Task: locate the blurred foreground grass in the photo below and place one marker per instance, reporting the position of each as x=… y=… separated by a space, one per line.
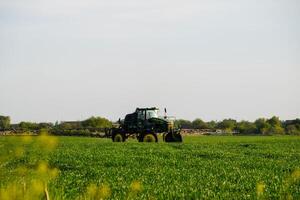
x=207 y=167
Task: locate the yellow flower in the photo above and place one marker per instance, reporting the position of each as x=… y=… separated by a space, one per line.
x=136 y=186
x=47 y=142
x=260 y=188
x=91 y=191
x=37 y=187
x=54 y=173
x=104 y=192
x=94 y=192
x=296 y=174
x=4 y=194
x=42 y=168
x=11 y=192
x=27 y=139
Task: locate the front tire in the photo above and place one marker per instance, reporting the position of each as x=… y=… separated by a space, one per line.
x=118 y=137
x=173 y=137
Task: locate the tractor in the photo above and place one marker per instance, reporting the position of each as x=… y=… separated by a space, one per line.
x=145 y=125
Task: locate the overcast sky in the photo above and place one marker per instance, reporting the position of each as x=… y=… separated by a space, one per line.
x=213 y=59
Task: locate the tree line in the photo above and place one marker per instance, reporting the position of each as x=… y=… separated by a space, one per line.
x=260 y=126
x=89 y=127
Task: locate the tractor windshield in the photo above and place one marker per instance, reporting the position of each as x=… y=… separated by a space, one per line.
x=152 y=114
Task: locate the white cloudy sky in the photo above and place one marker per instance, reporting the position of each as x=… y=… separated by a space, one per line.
x=213 y=59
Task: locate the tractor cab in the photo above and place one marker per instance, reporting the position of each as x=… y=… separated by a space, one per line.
x=144 y=114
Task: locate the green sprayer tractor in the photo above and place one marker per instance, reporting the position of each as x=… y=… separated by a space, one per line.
x=145 y=125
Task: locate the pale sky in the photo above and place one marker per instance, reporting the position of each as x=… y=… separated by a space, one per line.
x=212 y=59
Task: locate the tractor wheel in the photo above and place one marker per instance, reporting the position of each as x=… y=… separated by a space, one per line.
x=118 y=137
x=149 y=137
x=173 y=137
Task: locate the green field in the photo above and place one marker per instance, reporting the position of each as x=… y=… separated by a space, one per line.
x=207 y=167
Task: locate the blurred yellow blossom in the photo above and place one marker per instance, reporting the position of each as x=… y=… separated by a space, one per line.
x=136 y=186
x=104 y=192
x=92 y=191
x=42 y=168
x=260 y=188
x=296 y=174
x=47 y=142
x=95 y=192
x=27 y=139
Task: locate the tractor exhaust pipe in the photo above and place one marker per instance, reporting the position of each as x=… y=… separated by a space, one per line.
x=165 y=113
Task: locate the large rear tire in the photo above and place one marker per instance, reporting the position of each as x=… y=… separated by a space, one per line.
x=149 y=137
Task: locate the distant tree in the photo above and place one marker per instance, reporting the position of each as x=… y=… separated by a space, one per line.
x=212 y=124
x=96 y=122
x=274 y=121
x=277 y=130
x=185 y=124
x=245 y=127
x=276 y=126
x=293 y=129
x=45 y=125
x=269 y=126
x=69 y=125
x=199 y=124
x=262 y=125
x=4 y=122
x=28 y=126
x=227 y=124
